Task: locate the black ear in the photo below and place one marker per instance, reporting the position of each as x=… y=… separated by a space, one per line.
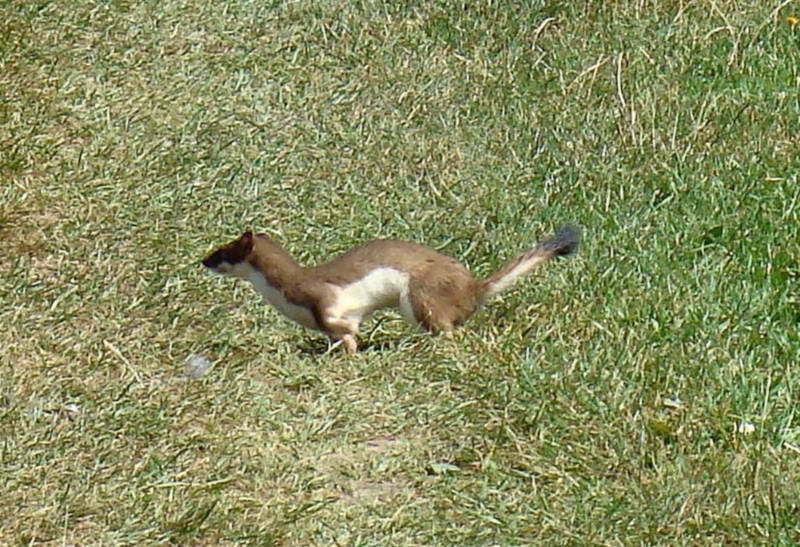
x=246 y=242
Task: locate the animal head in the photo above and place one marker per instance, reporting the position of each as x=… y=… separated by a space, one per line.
x=231 y=258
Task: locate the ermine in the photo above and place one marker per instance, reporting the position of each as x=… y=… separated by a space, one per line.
x=429 y=288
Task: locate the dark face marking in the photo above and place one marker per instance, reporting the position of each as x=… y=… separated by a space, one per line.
x=214 y=259
x=231 y=253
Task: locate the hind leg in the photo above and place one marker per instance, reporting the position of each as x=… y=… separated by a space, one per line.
x=440 y=304
x=420 y=308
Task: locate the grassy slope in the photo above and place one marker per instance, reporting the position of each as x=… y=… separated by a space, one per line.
x=607 y=402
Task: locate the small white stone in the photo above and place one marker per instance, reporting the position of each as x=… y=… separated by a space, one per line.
x=197 y=365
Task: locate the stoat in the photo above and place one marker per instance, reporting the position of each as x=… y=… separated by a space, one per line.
x=430 y=289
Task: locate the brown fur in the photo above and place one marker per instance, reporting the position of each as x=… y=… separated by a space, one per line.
x=442 y=293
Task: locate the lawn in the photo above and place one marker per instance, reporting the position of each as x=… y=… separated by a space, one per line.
x=642 y=392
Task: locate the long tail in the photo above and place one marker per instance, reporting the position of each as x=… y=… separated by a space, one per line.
x=564 y=242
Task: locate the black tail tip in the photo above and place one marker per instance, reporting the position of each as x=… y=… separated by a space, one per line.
x=564 y=242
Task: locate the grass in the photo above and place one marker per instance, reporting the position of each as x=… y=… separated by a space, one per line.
x=641 y=393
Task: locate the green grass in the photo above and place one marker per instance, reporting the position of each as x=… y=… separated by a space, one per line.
x=642 y=393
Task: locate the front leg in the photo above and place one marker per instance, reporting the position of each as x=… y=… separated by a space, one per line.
x=350 y=344
x=342 y=329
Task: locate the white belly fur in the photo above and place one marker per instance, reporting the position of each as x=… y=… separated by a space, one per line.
x=381 y=288
x=299 y=314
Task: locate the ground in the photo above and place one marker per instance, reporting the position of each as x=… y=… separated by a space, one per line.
x=642 y=392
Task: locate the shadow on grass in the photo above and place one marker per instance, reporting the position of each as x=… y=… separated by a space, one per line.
x=320 y=346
